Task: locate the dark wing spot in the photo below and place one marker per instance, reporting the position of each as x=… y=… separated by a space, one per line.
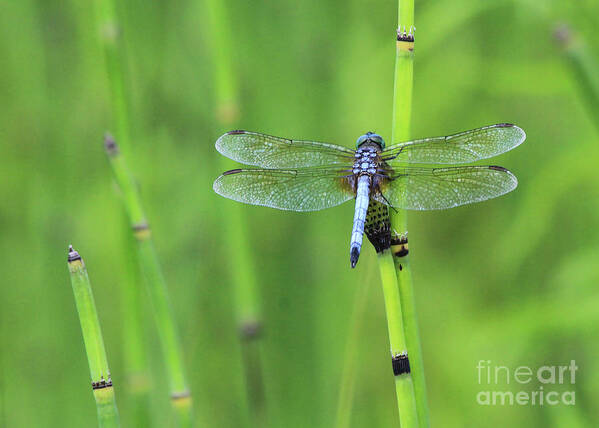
x=497 y=168
x=233 y=171
x=505 y=125
x=235 y=132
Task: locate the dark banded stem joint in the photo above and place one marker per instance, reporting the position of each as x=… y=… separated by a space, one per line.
x=141 y=230
x=110 y=145
x=250 y=330
x=405 y=39
x=180 y=395
x=399 y=245
x=102 y=383
x=400 y=363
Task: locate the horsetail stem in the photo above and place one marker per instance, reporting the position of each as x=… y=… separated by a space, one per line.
x=107 y=24
x=350 y=357
x=401 y=130
x=583 y=66
x=137 y=381
x=169 y=339
x=244 y=280
x=404 y=387
x=378 y=231
x=94 y=344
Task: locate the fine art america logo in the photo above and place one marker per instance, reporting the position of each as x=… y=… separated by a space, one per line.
x=526 y=386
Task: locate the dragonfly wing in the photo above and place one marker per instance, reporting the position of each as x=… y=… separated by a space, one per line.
x=415 y=188
x=465 y=147
x=266 y=151
x=310 y=189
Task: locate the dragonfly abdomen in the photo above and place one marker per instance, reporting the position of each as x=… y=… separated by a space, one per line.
x=378 y=226
x=362 y=200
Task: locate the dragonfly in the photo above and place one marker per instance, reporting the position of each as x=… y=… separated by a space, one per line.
x=299 y=175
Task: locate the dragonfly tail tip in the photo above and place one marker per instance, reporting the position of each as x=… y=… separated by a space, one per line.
x=354 y=255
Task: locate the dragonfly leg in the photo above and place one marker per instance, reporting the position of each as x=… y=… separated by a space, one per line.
x=388 y=203
x=388 y=158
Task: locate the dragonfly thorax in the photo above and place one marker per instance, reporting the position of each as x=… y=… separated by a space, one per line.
x=366 y=159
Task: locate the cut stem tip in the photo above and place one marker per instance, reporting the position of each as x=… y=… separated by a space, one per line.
x=73 y=255
x=110 y=144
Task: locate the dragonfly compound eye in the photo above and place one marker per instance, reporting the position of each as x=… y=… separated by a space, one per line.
x=362 y=139
x=370 y=136
x=377 y=139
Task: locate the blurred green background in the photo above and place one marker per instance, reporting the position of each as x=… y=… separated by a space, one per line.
x=512 y=280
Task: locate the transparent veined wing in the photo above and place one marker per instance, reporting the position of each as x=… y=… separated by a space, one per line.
x=415 y=188
x=266 y=151
x=465 y=147
x=308 y=189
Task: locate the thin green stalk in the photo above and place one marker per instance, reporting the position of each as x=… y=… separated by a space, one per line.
x=108 y=415
x=401 y=130
x=150 y=267
x=404 y=388
x=584 y=67
x=348 y=374
x=247 y=313
x=245 y=283
x=107 y=24
x=225 y=84
x=137 y=381
x=408 y=306
x=3 y=373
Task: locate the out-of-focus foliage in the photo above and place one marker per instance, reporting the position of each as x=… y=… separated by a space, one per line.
x=512 y=280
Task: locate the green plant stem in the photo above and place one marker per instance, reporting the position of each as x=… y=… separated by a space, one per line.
x=157 y=291
x=247 y=313
x=584 y=67
x=401 y=131
x=406 y=292
x=225 y=85
x=94 y=343
x=107 y=24
x=350 y=356
x=404 y=387
x=245 y=285
x=137 y=382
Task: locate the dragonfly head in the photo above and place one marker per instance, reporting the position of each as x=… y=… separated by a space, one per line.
x=372 y=137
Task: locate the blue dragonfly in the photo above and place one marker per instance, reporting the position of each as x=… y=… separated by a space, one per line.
x=298 y=175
